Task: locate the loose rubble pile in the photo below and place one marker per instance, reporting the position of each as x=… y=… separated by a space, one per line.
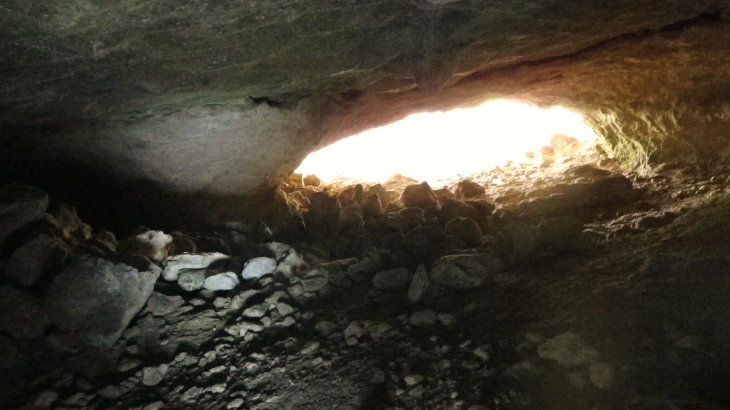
x=473 y=296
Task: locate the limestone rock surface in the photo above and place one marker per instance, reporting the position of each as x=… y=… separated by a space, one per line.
x=93 y=300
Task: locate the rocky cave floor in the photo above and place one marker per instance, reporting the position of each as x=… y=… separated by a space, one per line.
x=586 y=288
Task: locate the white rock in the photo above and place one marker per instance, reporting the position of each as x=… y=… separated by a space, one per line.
x=174 y=264
x=221 y=281
x=419 y=285
x=157 y=242
x=258 y=267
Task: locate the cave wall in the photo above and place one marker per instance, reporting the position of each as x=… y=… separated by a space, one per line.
x=204 y=97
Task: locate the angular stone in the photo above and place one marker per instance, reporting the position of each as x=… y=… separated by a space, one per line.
x=311 y=180
x=353 y=330
x=93 y=300
x=464 y=271
x=20 y=205
x=22 y=315
x=325 y=328
x=256 y=311
x=372 y=207
x=425 y=243
x=314 y=284
x=222 y=281
x=161 y=305
x=411 y=218
x=465 y=229
x=468 y=189
x=323 y=219
x=452 y=208
x=291 y=264
x=174 y=264
x=423 y=318
x=258 y=267
x=284 y=309
x=32 y=261
x=420 y=196
x=393 y=279
x=567 y=199
x=45 y=399
x=568 y=350
x=152 y=376
x=191 y=280
x=419 y=285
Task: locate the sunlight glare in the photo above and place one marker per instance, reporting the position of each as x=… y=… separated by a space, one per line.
x=439 y=145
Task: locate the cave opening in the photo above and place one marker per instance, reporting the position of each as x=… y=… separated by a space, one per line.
x=438 y=147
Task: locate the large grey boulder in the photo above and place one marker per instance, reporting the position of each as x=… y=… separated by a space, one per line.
x=29 y=263
x=22 y=315
x=93 y=300
x=464 y=271
x=20 y=205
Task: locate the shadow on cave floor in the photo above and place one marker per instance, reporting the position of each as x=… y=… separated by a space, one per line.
x=637 y=319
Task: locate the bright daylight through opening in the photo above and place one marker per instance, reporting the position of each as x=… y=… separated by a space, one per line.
x=436 y=146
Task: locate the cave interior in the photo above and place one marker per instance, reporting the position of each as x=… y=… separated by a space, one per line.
x=158 y=249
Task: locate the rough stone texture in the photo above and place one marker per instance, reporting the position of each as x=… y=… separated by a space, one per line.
x=393 y=279
x=93 y=300
x=258 y=267
x=31 y=261
x=569 y=350
x=191 y=280
x=224 y=97
x=221 y=281
x=23 y=316
x=20 y=205
x=174 y=264
x=161 y=305
x=464 y=271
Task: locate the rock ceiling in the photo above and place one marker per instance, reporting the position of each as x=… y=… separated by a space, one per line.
x=210 y=96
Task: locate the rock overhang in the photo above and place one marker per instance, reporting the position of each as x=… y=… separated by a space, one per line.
x=209 y=97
